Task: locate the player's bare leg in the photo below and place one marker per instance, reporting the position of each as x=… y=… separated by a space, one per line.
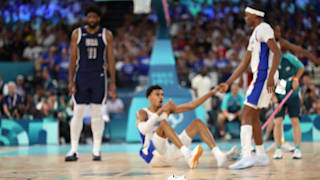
x=166 y=131
x=245 y=138
x=198 y=127
x=261 y=158
x=297 y=137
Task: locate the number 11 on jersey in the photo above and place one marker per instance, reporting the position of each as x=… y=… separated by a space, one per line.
x=92 y=52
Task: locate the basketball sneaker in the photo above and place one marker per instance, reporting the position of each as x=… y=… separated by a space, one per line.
x=96 y=157
x=231 y=153
x=193 y=160
x=287 y=147
x=222 y=157
x=297 y=154
x=261 y=160
x=277 y=154
x=72 y=157
x=244 y=162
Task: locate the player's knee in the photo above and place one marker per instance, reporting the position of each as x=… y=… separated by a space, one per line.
x=79 y=111
x=164 y=123
x=198 y=123
x=278 y=122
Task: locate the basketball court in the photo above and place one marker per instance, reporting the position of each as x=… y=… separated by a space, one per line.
x=121 y=161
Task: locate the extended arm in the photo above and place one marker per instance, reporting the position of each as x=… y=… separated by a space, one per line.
x=195 y=103
x=298 y=50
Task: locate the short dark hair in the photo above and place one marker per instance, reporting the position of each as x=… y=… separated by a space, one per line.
x=94 y=9
x=151 y=88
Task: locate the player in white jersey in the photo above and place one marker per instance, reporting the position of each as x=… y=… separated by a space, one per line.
x=263 y=55
x=155 y=131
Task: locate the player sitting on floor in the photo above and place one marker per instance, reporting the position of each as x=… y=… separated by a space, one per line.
x=155 y=131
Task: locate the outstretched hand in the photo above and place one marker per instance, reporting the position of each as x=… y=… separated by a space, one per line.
x=169 y=107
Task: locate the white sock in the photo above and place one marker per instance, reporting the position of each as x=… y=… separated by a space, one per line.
x=97 y=127
x=185 y=151
x=245 y=137
x=216 y=152
x=260 y=150
x=76 y=126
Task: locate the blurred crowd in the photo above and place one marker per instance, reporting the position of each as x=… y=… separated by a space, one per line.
x=209 y=41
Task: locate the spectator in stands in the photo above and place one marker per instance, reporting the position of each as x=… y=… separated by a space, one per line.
x=201 y=85
x=20 y=86
x=231 y=107
x=46 y=81
x=128 y=73
x=183 y=71
x=61 y=66
x=222 y=65
x=46 y=60
x=32 y=51
x=12 y=103
x=310 y=94
x=143 y=66
x=114 y=104
x=196 y=63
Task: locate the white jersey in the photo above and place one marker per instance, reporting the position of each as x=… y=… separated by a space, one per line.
x=257 y=95
x=261 y=55
x=145 y=138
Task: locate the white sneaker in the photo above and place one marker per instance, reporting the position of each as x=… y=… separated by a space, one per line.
x=261 y=160
x=244 y=162
x=231 y=152
x=297 y=154
x=173 y=177
x=221 y=159
x=287 y=147
x=193 y=161
x=277 y=154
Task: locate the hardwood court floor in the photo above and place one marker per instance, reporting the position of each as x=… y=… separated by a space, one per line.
x=130 y=166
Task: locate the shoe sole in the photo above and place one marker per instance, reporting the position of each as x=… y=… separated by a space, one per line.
x=277 y=158
x=96 y=159
x=70 y=160
x=296 y=157
x=195 y=160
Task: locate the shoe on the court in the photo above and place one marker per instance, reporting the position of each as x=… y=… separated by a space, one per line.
x=244 y=162
x=96 y=158
x=287 y=147
x=173 y=177
x=277 y=154
x=297 y=154
x=261 y=160
x=193 y=161
x=230 y=154
x=225 y=156
x=72 y=157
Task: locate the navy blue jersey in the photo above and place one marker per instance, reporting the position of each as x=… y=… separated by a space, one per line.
x=91 y=51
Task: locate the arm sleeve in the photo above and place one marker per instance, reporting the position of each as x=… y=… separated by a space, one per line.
x=265 y=33
x=147 y=126
x=224 y=104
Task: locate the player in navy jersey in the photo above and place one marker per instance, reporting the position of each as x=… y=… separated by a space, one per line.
x=91 y=56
